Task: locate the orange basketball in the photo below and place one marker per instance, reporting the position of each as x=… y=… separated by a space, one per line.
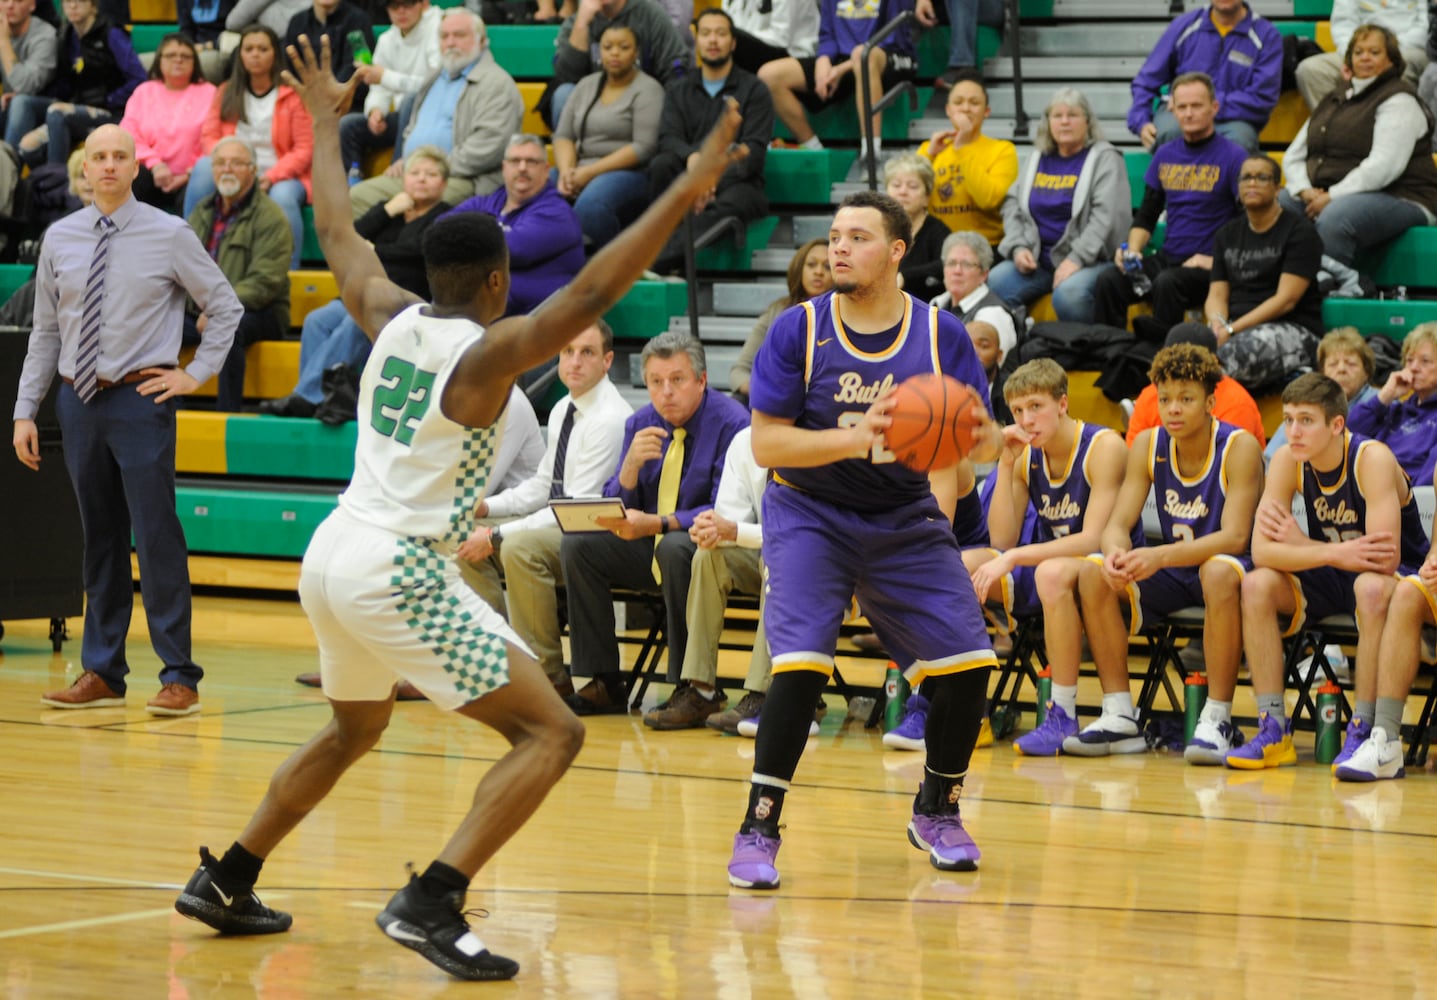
x=934 y=418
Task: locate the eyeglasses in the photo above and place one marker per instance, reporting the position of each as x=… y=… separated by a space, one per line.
x=964 y=265
x=1257 y=179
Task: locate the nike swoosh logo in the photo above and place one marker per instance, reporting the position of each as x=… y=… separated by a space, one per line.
x=400 y=934
x=228 y=900
x=827 y=340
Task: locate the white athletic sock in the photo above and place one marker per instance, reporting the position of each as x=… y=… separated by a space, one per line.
x=1119 y=703
x=1217 y=712
x=812 y=142
x=1065 y=696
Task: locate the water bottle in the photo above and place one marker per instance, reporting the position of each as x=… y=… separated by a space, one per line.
x=359 y=48
x=1045 y=692
x=1329 y=733
x=1133 y=268
x=355 y=175
x=1194 y=698
x=895 y=693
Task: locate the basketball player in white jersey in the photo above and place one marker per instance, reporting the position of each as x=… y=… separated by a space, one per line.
x=379 y=579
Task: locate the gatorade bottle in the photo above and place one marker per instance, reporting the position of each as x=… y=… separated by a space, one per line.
x=359 y=48
x=1329 y=733
x=895 y=693
x=1045 y=692
x=1194 y=698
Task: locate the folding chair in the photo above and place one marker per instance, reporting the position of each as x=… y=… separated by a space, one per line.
x=1313 y=639
x=1163 y=637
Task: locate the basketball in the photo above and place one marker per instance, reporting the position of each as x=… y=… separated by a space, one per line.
x=934 y=417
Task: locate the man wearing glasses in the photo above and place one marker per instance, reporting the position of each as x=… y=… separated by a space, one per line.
x=546 y=244
x=1263 y=304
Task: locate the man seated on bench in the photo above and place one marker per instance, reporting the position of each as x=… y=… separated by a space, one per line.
x=1070 y=472
x=673 y=457
x=1361 y=518
x=1207 y=476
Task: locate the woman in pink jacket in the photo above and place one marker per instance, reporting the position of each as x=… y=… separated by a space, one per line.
x=252 y=106
x=165 y=115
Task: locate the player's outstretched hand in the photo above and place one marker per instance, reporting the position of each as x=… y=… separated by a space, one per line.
x=719 y=151
x=321 y=94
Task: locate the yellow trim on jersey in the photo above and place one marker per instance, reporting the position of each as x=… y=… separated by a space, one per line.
x=892 y=348
x=933 y=339
x=1426 y=592
x=1299 y=614
x=1070 y=461
x=1088 y=455
x=1232 y=561
x=808 y=342
x=1342 y=478
x=978 y=659
x=1135 y=607
x=812 y=662
x=1207 y=465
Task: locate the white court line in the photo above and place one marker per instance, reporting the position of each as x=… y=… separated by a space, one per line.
x=78 y=877
x=74 y=925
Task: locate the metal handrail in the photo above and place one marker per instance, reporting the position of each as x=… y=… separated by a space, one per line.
x=692 y=245
x=1013 y=29
x=866 y=112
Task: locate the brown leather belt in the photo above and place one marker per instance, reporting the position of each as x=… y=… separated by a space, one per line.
x=105 y=383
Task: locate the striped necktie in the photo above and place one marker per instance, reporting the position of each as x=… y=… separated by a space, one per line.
x=561 y=453
x=669 y=474
x=87 y=351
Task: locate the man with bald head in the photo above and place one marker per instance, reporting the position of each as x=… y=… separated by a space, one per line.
x=110 y=293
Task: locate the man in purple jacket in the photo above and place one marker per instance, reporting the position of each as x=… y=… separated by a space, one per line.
x=546 y=245
x=1241 y=51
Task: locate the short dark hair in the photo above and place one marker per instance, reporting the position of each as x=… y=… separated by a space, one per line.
x=1186 y=363
x=606 y=334
x=1389 y=42
x=1316 y=389
x=461 y=250
x=895 y=221
x=1272 y=165
x=970 y=76
x=714 y=12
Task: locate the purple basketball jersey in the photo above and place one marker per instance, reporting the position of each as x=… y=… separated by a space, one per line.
x=1060 y=496
x=1190 y=508
x=1337 y=509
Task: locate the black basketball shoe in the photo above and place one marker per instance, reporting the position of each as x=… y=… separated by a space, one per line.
x=436 y=928
x=228 y=909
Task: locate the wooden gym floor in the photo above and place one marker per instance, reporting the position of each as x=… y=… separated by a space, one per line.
x=1135 y=876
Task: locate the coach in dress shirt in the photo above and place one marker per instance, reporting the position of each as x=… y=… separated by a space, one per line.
x=519 y=532
x=120 y=444
x=682 y=408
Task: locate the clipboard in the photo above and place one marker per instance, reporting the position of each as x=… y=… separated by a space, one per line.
x=576 y=516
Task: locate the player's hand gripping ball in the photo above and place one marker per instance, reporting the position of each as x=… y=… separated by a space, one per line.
x=934 y=421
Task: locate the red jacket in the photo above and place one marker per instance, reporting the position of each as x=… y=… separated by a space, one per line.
x=291 y=133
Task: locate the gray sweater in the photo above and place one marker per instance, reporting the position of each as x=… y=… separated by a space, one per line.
x=1102 y=211
x=36 y=55
x=598 y=129
x=661 y=50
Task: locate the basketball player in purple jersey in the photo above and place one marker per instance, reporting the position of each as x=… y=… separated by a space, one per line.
x=1206 y=476
x=1069 y=472
x=1361 y=519
x=842 y=517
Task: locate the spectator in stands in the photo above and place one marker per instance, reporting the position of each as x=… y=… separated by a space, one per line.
x=972 y=172
x=1319 y=75
x=1232 y=404
x=1361 y=167
x=991 y=323
x=810 y=84
x=253 y=105
x=518 y=530
x=1263 y=303
x=663 y=54
x=908 y=180
x=546 y=245
x=608 y=132
x=1346 y=358
x=247 y=235
x=963 y=17
x=808 y=277
x=691 y=106
x=273 y=14
x=336 y=20
x=202 y=22
x=546 y=13
x=28 y=53
x=470 y=109
x=165 y=115
x=673 y=452
x=1195 y=182
x=329 y=335
x=404 y=57
x=765 y=30
x=1403 y=413
x=97 y=74
x=729 y=537
x=1065 y=216
x=1240 y=51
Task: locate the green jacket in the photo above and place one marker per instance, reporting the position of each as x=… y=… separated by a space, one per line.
x=254 y=252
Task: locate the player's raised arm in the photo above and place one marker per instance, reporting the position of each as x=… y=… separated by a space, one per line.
x=368 y=294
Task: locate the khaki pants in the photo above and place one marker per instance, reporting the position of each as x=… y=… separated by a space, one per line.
x=717 y=573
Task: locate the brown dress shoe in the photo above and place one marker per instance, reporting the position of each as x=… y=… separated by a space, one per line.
x=563 y=685
x=89 y=691
x=174 y=699
x=687 y=709
x=594 y=699
x=309 y=679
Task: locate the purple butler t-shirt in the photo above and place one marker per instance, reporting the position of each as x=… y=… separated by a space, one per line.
x=1199 y=184
x=1050 y=203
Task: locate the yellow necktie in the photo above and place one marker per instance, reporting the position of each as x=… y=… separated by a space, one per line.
x=669 y=475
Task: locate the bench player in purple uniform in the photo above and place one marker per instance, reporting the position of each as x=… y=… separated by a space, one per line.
x=1206 y=476
x=1069 y=472
x=841 y=516
x=1361 y=518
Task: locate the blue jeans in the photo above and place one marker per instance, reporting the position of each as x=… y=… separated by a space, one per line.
x=1073 y=300
x=964 y=16
x=1240 y=132
x=609 y=203
x=26 y=112
x=329 y=336
x=66 y=127
x=288 y=195
x=1352 y=223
